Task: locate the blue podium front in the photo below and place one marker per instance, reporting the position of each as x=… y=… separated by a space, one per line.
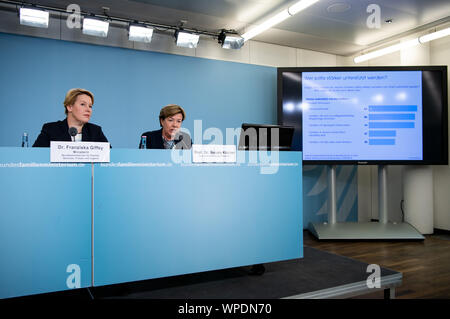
x=144 y=215
x=155 y=218
x=45 y=223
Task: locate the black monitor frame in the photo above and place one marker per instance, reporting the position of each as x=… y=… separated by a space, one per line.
x=435 y=136
x=285 y=137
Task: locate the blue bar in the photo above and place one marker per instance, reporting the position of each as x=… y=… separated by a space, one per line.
x=392 y=117
x=391 y=124
x=381 y=142
x=382 y=133
x=392 y=108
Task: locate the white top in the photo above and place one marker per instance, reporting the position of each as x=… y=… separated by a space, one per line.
x=78 y=137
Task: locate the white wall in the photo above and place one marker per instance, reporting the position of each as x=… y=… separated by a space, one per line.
x=440 y=55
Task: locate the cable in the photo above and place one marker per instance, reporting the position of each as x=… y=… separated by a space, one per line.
x=92 y=296
x=401 y=208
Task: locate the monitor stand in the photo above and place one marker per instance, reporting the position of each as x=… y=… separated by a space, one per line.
x=381 y=230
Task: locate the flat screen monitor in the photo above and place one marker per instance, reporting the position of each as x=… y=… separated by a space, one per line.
x=256 y=137
x=366 y=115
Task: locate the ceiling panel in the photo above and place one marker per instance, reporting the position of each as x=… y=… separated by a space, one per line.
x=318 y=28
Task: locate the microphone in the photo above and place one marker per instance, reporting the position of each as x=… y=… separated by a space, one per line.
x=180 y=139
x=72 y=132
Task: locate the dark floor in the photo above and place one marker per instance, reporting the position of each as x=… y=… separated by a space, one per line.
x=425 y=264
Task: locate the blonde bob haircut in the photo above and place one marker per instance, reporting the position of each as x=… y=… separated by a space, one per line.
x=72 y=95
x=170 y=110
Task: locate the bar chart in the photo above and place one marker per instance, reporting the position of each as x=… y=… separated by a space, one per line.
x=386 y=120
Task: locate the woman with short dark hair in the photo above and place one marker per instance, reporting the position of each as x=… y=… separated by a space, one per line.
x=169 y=136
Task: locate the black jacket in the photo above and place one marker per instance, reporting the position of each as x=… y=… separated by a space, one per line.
x=155 y=140
x=59 y=131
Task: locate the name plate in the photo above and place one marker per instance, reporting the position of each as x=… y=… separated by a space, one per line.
x=76 y=152
x=213 y=153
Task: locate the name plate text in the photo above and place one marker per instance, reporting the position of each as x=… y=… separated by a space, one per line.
x=79 y=152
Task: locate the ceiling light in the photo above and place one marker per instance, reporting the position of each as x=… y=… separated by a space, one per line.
x=233 y=42
x=279 y=17
x=140 y=33
x=186 y=39
x=95 y=27
x=301 y=5
x=230 y=41
x=34 y=17
x=387 y=50
x=283 y=15
x=434 y=35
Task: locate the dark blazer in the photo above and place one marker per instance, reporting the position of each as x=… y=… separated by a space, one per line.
x=155 y=140
x=59 y=131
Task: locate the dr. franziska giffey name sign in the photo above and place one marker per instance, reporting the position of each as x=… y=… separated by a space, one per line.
x=75 y=152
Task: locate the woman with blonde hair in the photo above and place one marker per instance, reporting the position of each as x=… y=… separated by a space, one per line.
x=78 y=108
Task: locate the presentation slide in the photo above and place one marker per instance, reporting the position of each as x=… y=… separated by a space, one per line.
x=366 y=115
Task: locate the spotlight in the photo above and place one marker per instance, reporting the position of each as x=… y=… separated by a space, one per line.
x=230 y=41
x=186 y=39
x=140 y=33
x=34 y=17
x=95 y=27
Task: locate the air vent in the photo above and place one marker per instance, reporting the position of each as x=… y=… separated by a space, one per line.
x=339 y=7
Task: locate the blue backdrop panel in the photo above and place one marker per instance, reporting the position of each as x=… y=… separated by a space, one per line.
x=129 y=86
x=169 y=219
x=45 y=223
